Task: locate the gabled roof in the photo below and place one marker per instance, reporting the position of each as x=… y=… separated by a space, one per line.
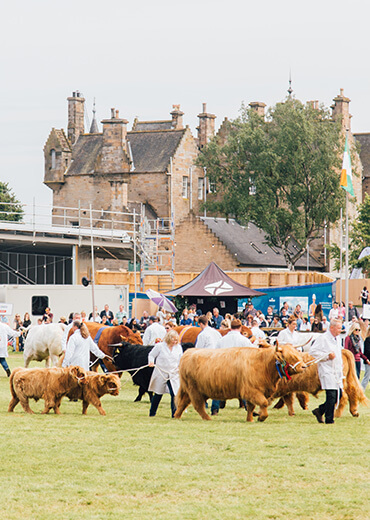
x=84 y=154
x=249 y=245
x=57 y=137
x=152 y=150
x=145 y=126
x=214 y=282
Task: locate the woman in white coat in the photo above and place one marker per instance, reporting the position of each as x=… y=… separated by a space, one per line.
x=290 y=335
x=165 y=378
x=79 y=346
x=5 y=333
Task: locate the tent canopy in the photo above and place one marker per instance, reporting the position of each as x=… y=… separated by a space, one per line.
x=214 y=282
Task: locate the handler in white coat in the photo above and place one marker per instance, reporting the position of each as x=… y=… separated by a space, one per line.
x=165 y=378
x=79 y=346
x=235 y=338
x=153 y=331
x=5 y=333
x=290 y=335
x=328 y=349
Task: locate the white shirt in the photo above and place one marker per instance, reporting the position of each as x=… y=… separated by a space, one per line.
x=285 y=336
x=258 y=333
x=330 y=370
x=5 y=332
x=78 y=351
x=154 y=331
x=208 y=338
x=333 y=314
x=65 y=336
x=234 y=339
x=168 y=363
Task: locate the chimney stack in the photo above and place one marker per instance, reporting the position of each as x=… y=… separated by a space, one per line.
x=259 y=107
x=76 y=106
x=340 y=108
x=176 y=114
x=114 y=158
x=206 y=128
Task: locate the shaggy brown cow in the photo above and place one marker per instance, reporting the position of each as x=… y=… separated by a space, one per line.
x=50 y=384
x=96 y=386
x=247 y=373
x=309 y=382
x=189 y=334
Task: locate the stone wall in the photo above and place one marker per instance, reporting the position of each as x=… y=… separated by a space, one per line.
x=196 y=246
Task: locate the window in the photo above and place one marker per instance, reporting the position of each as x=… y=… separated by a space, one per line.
x=39 y=304
x=185 y=184
x=212 y=187
x=200 y=188
x=53 y=158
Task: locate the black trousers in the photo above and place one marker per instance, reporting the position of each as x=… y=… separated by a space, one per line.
x=328 y=407
x=156 y=399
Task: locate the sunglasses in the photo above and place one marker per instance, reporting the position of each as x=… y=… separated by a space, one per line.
x=357 y=330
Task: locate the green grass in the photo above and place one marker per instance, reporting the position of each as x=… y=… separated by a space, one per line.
x=127 y=465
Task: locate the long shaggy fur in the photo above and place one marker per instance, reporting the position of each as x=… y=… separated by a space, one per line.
x=242 y=373
x=50 y=384
x=96 y=386
x=309 y=383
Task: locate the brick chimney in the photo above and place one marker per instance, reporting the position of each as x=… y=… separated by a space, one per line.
x=76 y=106
x=114 y=151
x=177 y=123
x=340 y=108
x=206 y=128
x=259 y=107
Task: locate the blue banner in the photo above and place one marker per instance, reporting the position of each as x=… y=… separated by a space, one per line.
x=300 y=294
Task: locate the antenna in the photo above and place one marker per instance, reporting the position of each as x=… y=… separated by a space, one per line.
x=290 y=90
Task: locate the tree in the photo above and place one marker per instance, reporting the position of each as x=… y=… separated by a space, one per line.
x=359 y=238
x=10 y=206
x=281 y=173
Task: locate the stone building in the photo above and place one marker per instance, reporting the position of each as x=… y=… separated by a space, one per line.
x=154 y=164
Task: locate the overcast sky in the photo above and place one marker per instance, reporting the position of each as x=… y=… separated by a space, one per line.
x=143 y=56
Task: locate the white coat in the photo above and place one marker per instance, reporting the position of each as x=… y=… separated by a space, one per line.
x=154 y=331
x=208 y=338
x=5 y=333
x=234 y=339
x=292 y=338
x=168 y=363
x=330 y=370
x=78 y=351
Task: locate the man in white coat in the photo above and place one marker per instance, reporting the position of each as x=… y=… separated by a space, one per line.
x=328 y=350
x=208 y=338
x=153 y=331
x=5 y=333
x=235 y=338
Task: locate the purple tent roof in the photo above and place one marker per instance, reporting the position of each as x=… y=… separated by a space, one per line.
x=214 y=282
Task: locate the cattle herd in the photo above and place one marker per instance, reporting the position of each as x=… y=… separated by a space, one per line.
x=251 y=375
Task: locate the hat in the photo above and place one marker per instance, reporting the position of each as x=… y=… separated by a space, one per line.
x=199 y=312
x=152 y=318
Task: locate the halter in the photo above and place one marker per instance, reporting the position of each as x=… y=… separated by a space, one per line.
x=282 y=369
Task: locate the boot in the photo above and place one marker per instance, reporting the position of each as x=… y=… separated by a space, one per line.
x=8 y=372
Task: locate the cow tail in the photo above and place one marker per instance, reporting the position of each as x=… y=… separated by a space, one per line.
x=353 y=388
x=12 y=391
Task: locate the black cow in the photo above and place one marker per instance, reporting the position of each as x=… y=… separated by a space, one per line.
x=131 y=357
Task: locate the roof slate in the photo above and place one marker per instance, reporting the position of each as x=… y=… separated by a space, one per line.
x=249 y=244
x=85 y=153
x=151 y=151
x=144 y=126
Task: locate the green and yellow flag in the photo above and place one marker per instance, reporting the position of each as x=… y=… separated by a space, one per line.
x=346 y=176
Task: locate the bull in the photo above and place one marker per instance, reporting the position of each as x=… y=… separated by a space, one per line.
x=245 y=373
x=44 y=342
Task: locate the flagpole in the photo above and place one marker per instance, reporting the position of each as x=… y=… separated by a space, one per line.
x=346 y=269
x=341 y=257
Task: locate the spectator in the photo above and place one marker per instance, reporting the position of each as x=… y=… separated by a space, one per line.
x=18 y=324
x=354 y=344
x=83 y=316
x=185 y=320
x=286 y=307
x=269 y=316
x=316 y=326
x=261 y=319
x=342 y=311
x=97 y=316
x=144 y=320
x=108 y=313
x=284 y=317
x=318 y=312
x=257 y=332
x=161 y=315
x=153 y=331
x=48 y=315
x=251 y=310
x=216 y=318
x=364 y=295
x=325 y=324
x=276 y=323
x=299 y=320
x=352 y=312
x=63 y=320
x=367 y=355
x=26 y=320
x=121 y=314
x=192 y=311
x=306 y=326
x=105 y=321
x=225 y=325
x=334 y=312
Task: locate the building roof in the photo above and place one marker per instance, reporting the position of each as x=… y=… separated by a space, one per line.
x=85 y=153
x=145 y=126
x=249 y=245
x=152 y=150
x=364 y=140
x=214 y=282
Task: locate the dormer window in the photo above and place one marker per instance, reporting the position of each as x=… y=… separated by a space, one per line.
x=53 y=156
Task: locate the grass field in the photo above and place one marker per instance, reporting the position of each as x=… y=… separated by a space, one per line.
x=127 y=465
